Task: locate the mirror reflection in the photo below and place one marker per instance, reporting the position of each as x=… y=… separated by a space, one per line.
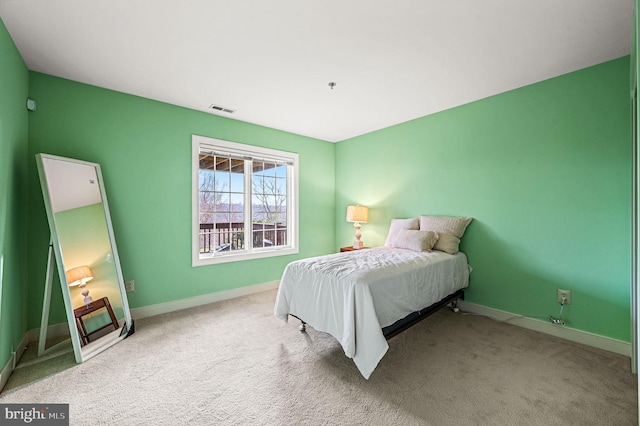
x=85 y=252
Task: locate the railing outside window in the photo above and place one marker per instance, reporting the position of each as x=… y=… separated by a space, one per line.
x=220 y=237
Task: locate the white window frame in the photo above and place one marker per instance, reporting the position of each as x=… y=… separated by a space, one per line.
x=248 y=151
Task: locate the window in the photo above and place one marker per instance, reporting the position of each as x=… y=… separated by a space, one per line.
x=245 y=202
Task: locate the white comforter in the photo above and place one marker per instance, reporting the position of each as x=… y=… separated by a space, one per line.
x=352 y=295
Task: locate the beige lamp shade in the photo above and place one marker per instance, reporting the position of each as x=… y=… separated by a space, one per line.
x=357 y=214
x=79 y=275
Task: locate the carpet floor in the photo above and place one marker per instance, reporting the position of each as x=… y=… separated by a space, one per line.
x=234 y=363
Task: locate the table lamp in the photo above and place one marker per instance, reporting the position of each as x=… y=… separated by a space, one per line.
x=357 y=214
x=80 y=276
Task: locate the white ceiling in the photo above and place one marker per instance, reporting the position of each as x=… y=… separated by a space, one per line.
x=271 y=61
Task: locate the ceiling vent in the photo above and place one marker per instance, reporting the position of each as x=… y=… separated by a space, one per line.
x=221 y=109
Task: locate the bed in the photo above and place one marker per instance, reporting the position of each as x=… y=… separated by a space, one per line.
x=360 y=296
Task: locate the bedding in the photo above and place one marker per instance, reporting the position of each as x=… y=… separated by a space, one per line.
x=397 y=225
x=450 y=230
x=416 y=240
x=353 y=295
x=447 y=243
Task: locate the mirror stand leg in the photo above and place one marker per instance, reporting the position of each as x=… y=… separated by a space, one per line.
x=46 y=303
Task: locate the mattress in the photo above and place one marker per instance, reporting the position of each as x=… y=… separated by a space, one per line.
x=353 y=295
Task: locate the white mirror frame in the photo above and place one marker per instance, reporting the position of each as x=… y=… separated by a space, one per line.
x=82 y=353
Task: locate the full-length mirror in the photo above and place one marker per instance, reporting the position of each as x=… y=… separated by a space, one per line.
x=83 y=244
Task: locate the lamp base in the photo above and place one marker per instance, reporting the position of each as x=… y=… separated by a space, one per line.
x=357 y=244
x=87 y=299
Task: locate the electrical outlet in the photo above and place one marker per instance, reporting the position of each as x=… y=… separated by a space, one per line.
x=130 y=286
x=566 y=294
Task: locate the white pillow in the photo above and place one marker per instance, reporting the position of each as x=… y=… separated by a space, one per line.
x=415 y=240
x=398 y=225
x=452 y=225
x=447 y=243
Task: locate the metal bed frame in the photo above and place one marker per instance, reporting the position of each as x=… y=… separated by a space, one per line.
x=411 y=319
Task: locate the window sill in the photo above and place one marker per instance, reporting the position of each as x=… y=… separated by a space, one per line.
x=214 y=259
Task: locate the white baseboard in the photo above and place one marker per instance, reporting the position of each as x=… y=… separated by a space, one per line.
x=20 y=351
x=584 y=337
x=7 y=370
x=13 y=361
x=176 y=305
x=55 y=330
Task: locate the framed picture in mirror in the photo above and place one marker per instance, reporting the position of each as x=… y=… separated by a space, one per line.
x=84 y=248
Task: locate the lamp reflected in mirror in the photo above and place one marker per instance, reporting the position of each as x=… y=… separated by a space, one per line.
x=80 y=276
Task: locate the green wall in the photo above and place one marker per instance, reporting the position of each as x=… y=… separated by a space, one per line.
x=144 y=149
x=14 y=87
x=544 y=170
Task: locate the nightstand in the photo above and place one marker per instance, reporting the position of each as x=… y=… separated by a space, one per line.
x=350 y=248
x=88 y=309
